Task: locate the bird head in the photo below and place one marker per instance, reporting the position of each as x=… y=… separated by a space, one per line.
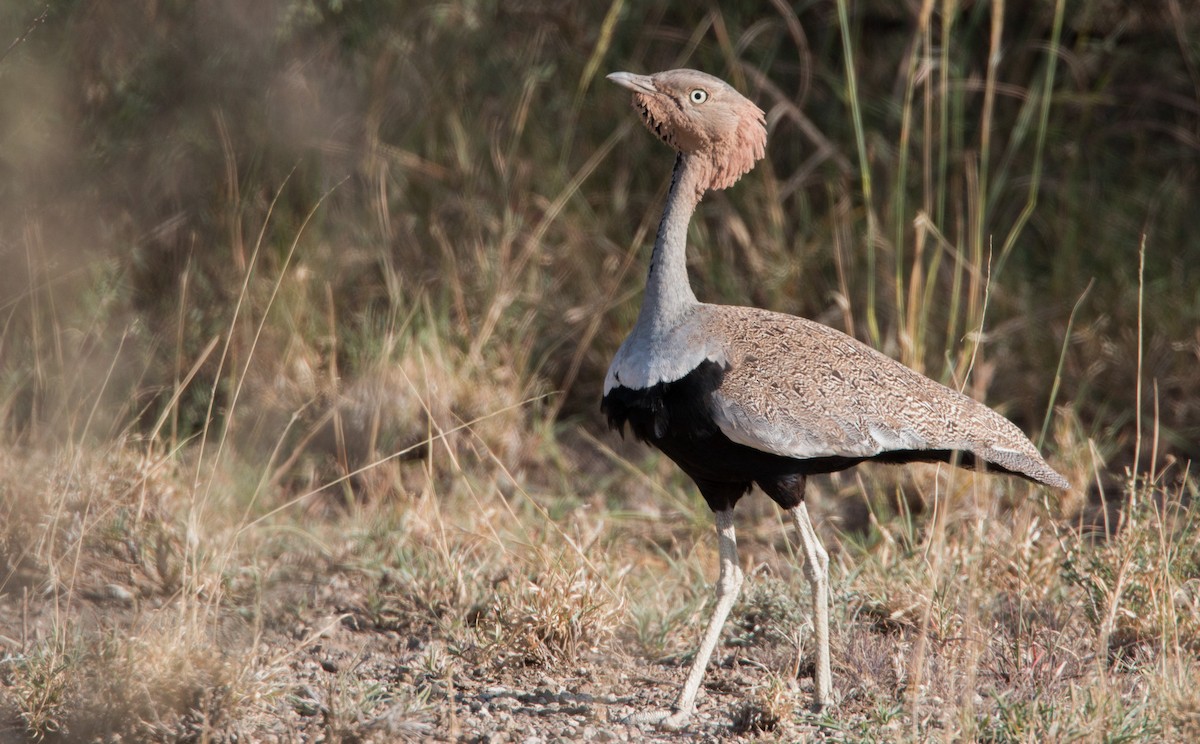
x=700 y=116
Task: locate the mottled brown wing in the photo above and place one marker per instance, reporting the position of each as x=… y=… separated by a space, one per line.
x=800 y=389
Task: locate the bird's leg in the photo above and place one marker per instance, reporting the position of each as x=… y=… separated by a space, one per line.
x=729 y=583
x=816 y=568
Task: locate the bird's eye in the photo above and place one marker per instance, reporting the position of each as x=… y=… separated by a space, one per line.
x=698 y=96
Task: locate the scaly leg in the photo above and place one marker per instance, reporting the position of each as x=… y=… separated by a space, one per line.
x=816 y=568
x=728 y=585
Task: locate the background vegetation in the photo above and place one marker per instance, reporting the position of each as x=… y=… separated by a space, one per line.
x=305 y=305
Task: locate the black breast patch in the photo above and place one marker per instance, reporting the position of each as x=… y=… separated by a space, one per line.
x=676 y=417
x=680 y=408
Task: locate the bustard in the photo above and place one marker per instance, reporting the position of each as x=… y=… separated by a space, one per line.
x=739 y=395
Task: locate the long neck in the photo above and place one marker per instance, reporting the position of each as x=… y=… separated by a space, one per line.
x=668 y=291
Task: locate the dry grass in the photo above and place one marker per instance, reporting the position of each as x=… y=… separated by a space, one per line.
x=482 y=601
x=297 y=427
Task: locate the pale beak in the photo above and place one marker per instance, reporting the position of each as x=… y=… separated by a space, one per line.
x=636 y=83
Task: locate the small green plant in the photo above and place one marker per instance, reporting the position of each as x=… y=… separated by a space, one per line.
x=38 y=686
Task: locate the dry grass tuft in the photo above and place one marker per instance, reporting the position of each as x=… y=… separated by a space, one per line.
x=105 y=639
x=769 y=620
x=1140 y=590
x=118 y=510
x=768 y=706
x=552 y=619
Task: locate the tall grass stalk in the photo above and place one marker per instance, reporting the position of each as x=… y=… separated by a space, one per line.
x=1062 y=358
x=864 y=167
x=1137 y=402
x=242 y=295
x=1036 y=164
x=912 y=346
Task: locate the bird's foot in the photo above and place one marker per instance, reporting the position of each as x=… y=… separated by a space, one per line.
x=668 y=720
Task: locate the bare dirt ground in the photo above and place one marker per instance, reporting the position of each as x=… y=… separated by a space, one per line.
x=340 y=644
x=333 y=669
x=340 y=653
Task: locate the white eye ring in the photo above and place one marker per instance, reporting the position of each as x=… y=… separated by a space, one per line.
x=698 y=95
